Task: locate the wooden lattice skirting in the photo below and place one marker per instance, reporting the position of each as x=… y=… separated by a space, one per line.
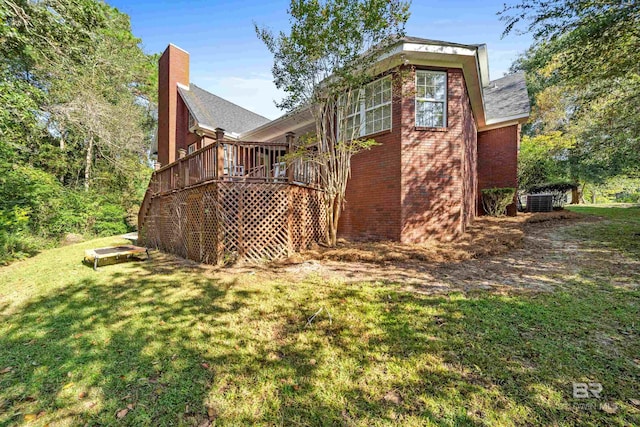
x=218 y=222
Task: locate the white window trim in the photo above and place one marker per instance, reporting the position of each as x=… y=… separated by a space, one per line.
x=362 y=111
x=446 y=98
x=189 y=148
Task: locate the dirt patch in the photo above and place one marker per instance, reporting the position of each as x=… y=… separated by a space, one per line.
x=487 y=236
x=530 y=253
x=527 y=254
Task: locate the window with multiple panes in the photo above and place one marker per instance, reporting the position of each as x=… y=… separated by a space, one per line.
x=431 y=99
x=191 y=148
x=377 y=97
x=369 y=111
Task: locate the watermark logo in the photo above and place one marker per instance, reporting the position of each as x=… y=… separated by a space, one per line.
x=587 y=390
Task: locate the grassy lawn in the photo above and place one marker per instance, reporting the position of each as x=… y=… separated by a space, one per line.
x=163 y=343
x=620 y=230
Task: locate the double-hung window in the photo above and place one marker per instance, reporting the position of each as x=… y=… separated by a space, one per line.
x=431 y=99
x=369 y=109
x=377 y=100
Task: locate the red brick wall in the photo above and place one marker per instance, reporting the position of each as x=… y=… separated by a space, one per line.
x=437 y=167
x=498 y=160
x=184 y=138
x=419 y=183
x=173 y=68
x=373 y=208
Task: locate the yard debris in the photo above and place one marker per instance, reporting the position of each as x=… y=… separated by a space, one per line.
x=82 y=395
x=635 y=402
x=273 y=356
x=211 y=413
x=393 y=396
x=6 y=370
x=122 y=413
x=311 y=319
x=72 y=238
x=205 y=365
x=609 y=408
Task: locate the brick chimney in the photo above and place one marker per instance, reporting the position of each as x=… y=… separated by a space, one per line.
x=173 y=69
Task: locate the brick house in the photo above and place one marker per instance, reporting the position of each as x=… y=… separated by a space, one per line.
x=445 y=131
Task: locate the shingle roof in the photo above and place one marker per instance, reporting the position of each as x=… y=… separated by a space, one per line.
x=506 y=97
x=214 y=112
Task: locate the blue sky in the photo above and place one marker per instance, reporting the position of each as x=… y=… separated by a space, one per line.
x=228 y=59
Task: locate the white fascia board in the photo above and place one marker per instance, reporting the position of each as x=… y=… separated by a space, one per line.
x=183 y=86
x=273 y=129
x=205 y=127
x=508 y=118
x=504 y=122
x=211 y=131
x=483 y=64
x=439 y=49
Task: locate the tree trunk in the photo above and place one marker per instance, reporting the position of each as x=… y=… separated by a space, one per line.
x=593 y=196
x=87 y=165
x=333 y=207
x=337 y=208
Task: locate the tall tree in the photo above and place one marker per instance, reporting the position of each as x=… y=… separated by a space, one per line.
x=322 y=65
x=584 y=75
x=80 y=58
x=76 y=90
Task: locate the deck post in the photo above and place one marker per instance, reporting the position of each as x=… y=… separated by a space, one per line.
x=219 y=153
x=289 y=137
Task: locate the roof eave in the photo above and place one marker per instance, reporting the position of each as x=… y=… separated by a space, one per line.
x=275 y=128
x=501 y=122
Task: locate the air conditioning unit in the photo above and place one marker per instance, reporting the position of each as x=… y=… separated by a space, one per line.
x=539 y=202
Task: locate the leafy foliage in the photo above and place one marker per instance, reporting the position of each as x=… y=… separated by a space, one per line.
x=322 y=65
x=543 y=158
x=583 y=73
x=496 y=200
x=75 y=132
x=624 y=189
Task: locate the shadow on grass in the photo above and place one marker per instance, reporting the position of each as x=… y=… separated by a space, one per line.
x=113 y=338
x=182 y=347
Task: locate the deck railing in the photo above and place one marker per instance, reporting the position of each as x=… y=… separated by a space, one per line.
x=235 y=161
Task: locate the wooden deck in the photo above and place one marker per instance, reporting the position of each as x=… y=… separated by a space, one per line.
x=233 y=201
x=236 y=162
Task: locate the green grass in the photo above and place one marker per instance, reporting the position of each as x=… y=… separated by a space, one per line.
x=620 y=230
x=182 y=345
